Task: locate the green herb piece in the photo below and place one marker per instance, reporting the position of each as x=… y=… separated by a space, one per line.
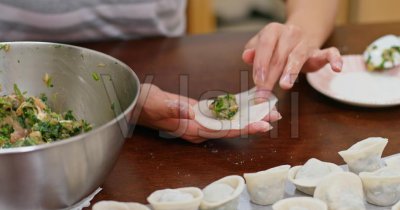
x=48 y=80
x=5 y=47
x=18 y=93
x=224 y=107
x=95 y=76
x=113 y=106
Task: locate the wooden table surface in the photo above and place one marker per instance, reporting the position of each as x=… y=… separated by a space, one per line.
x=320 y=129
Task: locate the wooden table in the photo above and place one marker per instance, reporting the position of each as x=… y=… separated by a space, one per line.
x=321 y=128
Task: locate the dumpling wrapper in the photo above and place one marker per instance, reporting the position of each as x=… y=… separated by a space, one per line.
x=307 y=176
x=248 y=112
x=373 y=53
x=187 y=198
x=393 y=161
x=267 y=187
x=396 y=207
x=300 y=203
x=382 y=187
x=228 y=199
x=114 y=205
x=365 y=155
x=341 y=191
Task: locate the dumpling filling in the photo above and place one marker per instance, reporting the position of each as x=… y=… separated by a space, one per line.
x=224 y=107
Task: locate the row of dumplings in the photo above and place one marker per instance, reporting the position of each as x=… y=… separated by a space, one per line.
x=331 y=187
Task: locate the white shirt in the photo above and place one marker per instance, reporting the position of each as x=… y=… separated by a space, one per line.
x=86 y=20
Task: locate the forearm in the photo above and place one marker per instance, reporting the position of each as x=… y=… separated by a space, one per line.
x=316 y=18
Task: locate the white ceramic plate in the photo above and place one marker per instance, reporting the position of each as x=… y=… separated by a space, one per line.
x=357 y=86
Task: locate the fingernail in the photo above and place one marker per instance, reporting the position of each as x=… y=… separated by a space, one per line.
x=279 y=116
x=263 y=126
x=266 y=127
x=287 y=80
x=338 y=65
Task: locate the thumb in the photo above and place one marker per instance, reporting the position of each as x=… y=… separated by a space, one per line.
x=178 y=109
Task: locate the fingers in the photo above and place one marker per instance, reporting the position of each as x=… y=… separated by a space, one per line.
x=295 y=62
x=248 y=56
x=319 y=58
x=273 y=116
x=179 y=107
x=267 y=42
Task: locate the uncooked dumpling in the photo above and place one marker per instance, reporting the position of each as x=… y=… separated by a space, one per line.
x=396 y=207
x=300 y=203
x=365 y=155
x=187 y=198
x=393 y=161
x=341 y=191
x=114 y=205
x=248 y=112
x=306 y=177
x=382 y=187
x=223 y=194
x=383 y=53
x=267 y=187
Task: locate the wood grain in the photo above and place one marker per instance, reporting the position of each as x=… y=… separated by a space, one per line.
x=213 y=62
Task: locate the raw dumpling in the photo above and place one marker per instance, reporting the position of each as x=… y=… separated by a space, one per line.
x=341 y=191
x=267 y=187
x=396 y=207
x=249 y=112
x=383 y=53
x=306 y=177
x=365 y=155
x=382 y=187
x=223 y=194
x=393 y=161
x=188 y=198
x=300 y=203
x=114 y=205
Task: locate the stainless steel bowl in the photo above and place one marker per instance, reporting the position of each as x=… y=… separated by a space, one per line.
x=60 y=174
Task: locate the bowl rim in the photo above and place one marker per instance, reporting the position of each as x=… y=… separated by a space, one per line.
x=79 y=137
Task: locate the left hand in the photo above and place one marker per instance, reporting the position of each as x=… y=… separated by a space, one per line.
x=173 y=113
x=280 y=52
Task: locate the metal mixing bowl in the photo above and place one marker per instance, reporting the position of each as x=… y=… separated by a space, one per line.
x=58 y=175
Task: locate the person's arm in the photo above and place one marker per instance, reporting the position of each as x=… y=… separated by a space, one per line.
x=315 y=18
x=280 y=51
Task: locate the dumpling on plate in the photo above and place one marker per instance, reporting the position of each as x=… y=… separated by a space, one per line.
x=396 y=207
x=365 y=155
x=300 y=203
x=114 y=205
x=341 y=191
x=187 y=198
x=243 y=112
x=307 y=177
x=382 y=187
x=383 y=53
x=393 y=161
x=223 y=194
x=267 y=187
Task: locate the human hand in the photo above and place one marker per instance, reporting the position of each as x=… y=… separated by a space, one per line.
x=280 y=52
x=173 y=113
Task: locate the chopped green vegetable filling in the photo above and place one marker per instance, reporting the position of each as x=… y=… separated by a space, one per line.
x=96 y=76
x=224 y=107
x=27 y=121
